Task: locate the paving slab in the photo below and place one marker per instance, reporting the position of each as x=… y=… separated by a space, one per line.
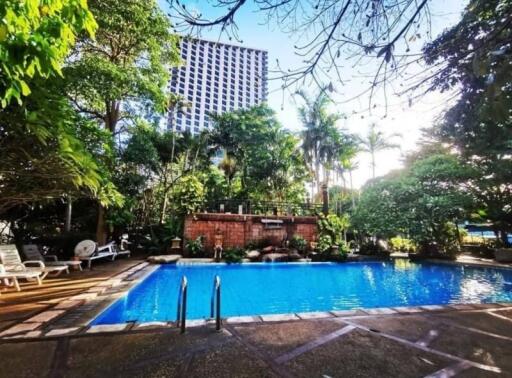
x=278 y=338
x=139 y=354
x=345 y=313
x=380 y=311
x=107 y=328
x=479 y=320
x=314 y=315
x=279 y=317
x=412 y=327
x=363 y=354
x=18 y=328
x=26 y=359
x=475 y=347
x=243 y=319
x=45 y=316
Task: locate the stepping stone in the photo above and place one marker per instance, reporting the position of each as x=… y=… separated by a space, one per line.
x=62 y=331
x=279 y=317
x=314 y=315
x=107 y=328
x=45 y=316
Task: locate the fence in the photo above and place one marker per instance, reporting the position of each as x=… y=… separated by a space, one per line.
x=252 y=207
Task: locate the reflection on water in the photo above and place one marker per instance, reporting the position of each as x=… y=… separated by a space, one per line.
x=254 y=289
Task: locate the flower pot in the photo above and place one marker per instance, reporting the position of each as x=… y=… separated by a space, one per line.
x=503 y=254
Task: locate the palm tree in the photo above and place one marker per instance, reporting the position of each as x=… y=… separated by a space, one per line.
x=319 y=134
x=376 y=141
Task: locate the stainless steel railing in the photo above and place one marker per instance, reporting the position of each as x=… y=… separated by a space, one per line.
x=215 y=303
x=182 y=305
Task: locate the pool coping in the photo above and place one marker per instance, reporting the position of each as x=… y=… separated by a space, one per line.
x=95 y=300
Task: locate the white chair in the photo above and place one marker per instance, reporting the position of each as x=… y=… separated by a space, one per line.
x=11 y=260
x=32 y=252
x=6 y=277
x=88 y=250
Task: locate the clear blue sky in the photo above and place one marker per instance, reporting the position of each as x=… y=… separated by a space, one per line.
x=408 y=121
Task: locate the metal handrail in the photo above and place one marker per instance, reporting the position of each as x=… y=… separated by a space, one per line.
x=215 y=303
x=182 y=305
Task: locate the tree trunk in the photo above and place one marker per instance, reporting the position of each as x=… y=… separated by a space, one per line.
x=69 y=210
x=373 y=164
x=352 y=190
x=101 y=232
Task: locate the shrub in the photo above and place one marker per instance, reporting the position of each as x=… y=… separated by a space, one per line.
x=233 y=255
x=299 y=243
x=324 y=243
x=195 y=247
x=332 y=226
x=401 y=244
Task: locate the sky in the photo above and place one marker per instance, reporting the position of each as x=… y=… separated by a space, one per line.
x=403 y=119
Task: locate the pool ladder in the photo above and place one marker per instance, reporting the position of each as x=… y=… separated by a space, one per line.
x=215 y=303
x=182 y=304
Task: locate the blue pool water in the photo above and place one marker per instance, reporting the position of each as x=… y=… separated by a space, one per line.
x=256 y=289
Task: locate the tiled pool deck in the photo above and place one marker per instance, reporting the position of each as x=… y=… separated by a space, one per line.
x=470 y=340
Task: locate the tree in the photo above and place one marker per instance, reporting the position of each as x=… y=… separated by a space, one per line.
x=123 y=72
x=473 y=58
x=265 y=158
x=44 y=156
x=325 y=147
x=151 y=167
x=331 y=31
x=126 y=65
x=35 y=39
x=424 y=202
x=376 y=141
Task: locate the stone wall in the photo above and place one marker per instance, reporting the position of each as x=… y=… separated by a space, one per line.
x=238 y=230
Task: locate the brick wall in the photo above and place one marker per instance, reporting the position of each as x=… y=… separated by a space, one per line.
x=238 y=230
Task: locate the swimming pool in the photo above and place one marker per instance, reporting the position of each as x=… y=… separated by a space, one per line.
x=277 y=288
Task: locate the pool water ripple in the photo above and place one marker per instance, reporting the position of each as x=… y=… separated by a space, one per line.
x=257 y=289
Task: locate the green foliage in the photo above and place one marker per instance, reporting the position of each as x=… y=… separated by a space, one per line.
x=299 y=243
x=123 y=72
x=233 y=255
x=44 y=152
x=402 y=244
x=333 y=226
x=325 y=242
x=323 y=143
x=35 y=39
x=476 y=58
x=188 y=195
x=421 y=202
x=259 y=153
x=195 y=247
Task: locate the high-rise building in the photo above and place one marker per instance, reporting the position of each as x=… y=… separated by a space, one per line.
x=216 y=78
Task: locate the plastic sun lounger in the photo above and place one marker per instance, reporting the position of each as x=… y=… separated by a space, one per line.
x=5 y=277
x=11 y=260
x=87 y=250
x=32 y=252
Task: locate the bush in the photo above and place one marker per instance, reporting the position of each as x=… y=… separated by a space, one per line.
x=233 y=255
x=195 y=247
x=401 y=244
x=324 y=243
x=299 y=243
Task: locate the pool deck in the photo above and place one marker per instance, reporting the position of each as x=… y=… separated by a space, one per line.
x=44 y=331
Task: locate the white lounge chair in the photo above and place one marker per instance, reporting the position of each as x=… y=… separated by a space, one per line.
x=6 y=277
x=11 y=260
x=32 y=252
x=88 y=250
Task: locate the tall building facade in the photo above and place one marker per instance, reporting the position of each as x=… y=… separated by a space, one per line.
x=215 y=78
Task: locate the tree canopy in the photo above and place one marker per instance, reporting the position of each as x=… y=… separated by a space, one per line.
x=35 y=39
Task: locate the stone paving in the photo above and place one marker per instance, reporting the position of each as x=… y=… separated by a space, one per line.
x=51 y=338
x=442 y=343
